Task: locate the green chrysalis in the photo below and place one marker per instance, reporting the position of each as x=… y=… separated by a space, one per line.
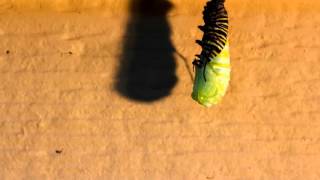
x=213 y=64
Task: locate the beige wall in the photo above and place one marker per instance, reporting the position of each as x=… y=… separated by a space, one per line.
x=120 y=7
x=111 y=6
x=266 y=128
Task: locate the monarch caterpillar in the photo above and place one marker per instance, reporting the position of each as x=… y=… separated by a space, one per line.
x=213 y=64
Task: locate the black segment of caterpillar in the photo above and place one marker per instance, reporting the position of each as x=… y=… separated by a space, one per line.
x=215 y=32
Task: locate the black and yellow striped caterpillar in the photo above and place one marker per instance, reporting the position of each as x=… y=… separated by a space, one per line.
x=213 y=64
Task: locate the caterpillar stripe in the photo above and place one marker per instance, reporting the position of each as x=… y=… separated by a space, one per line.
x=213 y=64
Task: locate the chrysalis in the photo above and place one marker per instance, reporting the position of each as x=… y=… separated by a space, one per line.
x=213 y=64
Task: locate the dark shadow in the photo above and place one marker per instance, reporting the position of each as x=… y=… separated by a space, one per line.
x=147 y=65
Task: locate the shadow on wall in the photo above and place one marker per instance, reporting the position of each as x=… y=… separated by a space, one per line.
x=147 y=65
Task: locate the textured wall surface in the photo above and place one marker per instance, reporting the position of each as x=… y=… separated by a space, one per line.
x=109 y=7
x=64 y=116
x=182 y=7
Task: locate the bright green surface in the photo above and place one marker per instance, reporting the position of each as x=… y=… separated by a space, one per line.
x=210 y=91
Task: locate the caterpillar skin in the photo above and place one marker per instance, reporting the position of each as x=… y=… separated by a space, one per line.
x=213 y=64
